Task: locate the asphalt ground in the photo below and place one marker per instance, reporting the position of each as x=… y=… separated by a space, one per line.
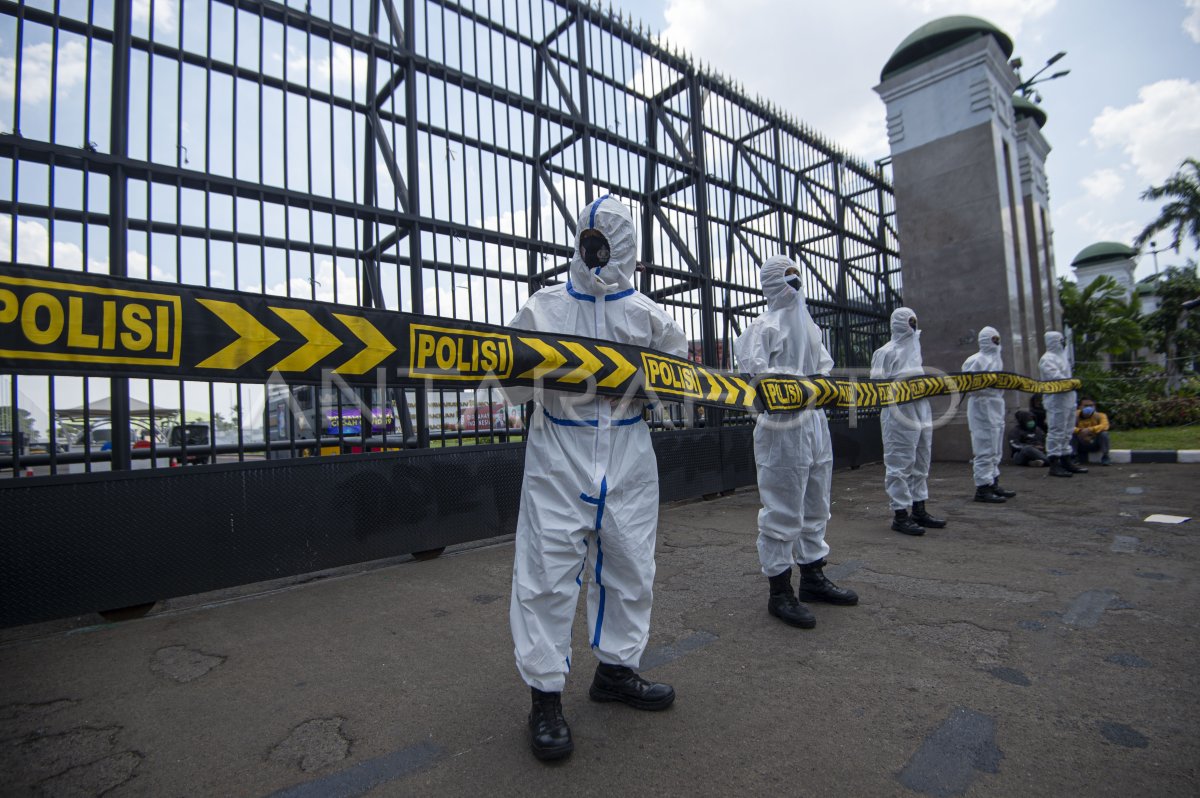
x=1047 y=646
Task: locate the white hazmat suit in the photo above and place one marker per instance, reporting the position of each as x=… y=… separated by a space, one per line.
x=1060 y=407
x=792 y=451
x=985 y=411
x=589 y=498
x=907 y=428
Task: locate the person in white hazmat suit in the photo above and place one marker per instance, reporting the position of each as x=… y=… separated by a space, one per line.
x=907 y=429
x=589 y=497
x=1060 y=408
x=985 y=418
x=792 y=451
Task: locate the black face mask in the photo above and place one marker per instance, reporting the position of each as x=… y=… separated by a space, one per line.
x=594 y=251
x=794 y=281
x=912 y=322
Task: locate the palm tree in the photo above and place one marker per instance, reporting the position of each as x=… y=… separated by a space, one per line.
x=1182 y=212
x=1101 y=319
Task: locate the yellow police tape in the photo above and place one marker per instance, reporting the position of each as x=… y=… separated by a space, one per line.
x=61 y=322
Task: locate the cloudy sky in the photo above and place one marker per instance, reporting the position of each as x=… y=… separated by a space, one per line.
x=1123 y=119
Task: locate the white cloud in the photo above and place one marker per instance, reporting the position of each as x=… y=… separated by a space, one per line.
x=164 y=14
x=782 y=50
x=344 y=66
x=1158 y=131
x=37 y=61
x=1101 y=227
x=33 y=247
x=1191 y=24
x=1103 y=184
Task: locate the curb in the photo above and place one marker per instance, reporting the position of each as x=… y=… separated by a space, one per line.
x=1154 y=456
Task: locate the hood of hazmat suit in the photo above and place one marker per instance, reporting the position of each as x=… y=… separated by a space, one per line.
x=589 y=497
x=785 y=339
x=792 y=451
x=1054 y=364
x=907 y=428
x=985 y=411
x=1060 y=407
x=988 y=358
x=901 y=356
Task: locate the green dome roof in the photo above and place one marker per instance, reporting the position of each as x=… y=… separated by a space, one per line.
x=1103 y=252
x=939 y=35
x=1024 y=108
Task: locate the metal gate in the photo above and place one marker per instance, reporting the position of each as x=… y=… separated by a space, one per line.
x=427 y=156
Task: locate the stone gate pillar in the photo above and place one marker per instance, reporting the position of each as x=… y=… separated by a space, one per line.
x=971 y=205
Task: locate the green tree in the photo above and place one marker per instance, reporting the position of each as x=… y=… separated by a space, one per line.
x=1173 y=331
x=27 y=423
x=1182 y=213
x=1102 y=320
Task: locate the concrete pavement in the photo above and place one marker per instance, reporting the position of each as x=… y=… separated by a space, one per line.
x=1043 y=647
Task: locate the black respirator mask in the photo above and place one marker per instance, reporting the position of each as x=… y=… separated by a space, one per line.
x=593 y=250
x=912 y=322
x=794 y=281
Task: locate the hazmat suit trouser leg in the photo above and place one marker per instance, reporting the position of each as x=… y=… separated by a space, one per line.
x=987 y=437
x=1060 y=422
x=794 y=457
x=565 y=536
x=907 y=444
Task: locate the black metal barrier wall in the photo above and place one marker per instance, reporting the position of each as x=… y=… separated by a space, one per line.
x=92 y=542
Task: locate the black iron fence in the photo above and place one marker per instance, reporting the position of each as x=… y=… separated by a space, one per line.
x=419 y=155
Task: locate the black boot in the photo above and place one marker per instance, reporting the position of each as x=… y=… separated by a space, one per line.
x=549 y=734
x=1001 y=492
x=903 y=523
x=1057 y=469
x=784 y=605
x=983 y=493
x=1069 y=464
x=618 y=683
x=815 y=586
x=925 y=519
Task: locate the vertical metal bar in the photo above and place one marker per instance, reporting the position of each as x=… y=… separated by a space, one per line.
x=370 y=265
x=585 y=108
x=416 y=264
x=118 y=212
x=708 y=332
x=843 y=331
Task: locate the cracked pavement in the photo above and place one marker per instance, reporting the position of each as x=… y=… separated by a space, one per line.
x=1046 y=646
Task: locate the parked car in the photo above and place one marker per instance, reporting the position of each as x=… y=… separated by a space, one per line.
x=10 y=443
x=193 y=435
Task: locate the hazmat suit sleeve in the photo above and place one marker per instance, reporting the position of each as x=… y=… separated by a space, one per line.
x=668 y=335
x=882 y=363
x=754 y=348
x=975 y=362
x=524 y=320
x=1052 y=367
x=826 y=362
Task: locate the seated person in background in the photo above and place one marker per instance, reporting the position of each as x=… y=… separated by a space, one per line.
x=1027 y=441
x=1038 y=410
x=1091 y=432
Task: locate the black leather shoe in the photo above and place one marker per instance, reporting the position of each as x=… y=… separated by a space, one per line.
x=1069 y=464
x=815 y=586
x=904 y=524
x=618 y=683
x=1001 y=492
x=549 y=734
x=1057 y=469
x=984 y=493
x=924 y=519
x=784 y=605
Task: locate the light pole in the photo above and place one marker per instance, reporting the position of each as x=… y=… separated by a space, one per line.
x=1154 y=250
x=1025 y=87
